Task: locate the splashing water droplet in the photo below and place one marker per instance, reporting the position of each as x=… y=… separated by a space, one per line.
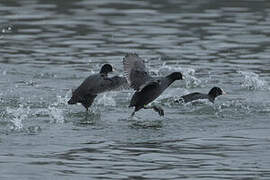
x=61 y=100
x=252 y=81
x=55 y=111
x=107 y=99
x=18 y=115
x=192 y=81
x=188 y=73
x=56 y=114
x=33 y=129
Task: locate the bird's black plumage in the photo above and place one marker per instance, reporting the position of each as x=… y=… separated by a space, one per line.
x=213 y=93
x=95 y=84
x=147 y=88
x=135 y=71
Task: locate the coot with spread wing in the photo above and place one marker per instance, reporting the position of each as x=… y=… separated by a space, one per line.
x=95 y=84
x=147 y=88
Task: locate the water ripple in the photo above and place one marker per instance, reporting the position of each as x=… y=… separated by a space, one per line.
x=48 y=48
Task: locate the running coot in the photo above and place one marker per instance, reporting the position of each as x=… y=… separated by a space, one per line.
x=95 y=84
x=147 y=88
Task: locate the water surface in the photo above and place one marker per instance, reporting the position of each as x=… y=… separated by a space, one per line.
x=49 y=47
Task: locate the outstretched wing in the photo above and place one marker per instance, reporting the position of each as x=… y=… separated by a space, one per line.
x=104 y=83
x=135 y=71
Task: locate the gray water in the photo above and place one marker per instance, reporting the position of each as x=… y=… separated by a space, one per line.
x=49 y=47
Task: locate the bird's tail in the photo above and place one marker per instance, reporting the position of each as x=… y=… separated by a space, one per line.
x=72 y=101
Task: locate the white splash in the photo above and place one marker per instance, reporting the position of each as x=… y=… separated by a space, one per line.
x=233 y=106
x=188 y=73
x=18 y=115
x=63 y=100
x=54 y=110
x=107 y=99
x=252 y=81
x=56 y=114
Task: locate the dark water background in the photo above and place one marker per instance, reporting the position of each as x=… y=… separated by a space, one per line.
x=48 y=47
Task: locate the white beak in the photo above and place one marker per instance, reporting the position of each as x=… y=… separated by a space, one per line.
x=223 y=92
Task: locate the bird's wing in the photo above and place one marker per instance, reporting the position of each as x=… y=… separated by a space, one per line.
x=114 y=83
x=120 y=83
x=89 y=85
x=135 y=71
x=149 y=84
x=104 y=83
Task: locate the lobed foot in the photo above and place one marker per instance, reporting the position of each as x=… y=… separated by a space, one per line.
x=159 y=110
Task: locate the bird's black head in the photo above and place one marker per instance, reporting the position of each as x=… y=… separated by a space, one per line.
x=216 y=91
x=175 y=76
x=106 y=68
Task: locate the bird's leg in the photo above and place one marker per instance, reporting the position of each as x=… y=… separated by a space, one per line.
x=133 y=113
x=155 y=108
x=159 y=110
x=147 y=107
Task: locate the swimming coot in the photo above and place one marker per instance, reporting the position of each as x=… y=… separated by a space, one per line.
x=95 y=84
x=147 y=88
x=213 y=93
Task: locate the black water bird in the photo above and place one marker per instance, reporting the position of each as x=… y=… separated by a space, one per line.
x=94 y=85
x=147 y=88
x=211 y=96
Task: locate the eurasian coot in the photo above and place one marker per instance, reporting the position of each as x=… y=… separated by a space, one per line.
x=147 y=88
x=213 y=93
x=95 y=84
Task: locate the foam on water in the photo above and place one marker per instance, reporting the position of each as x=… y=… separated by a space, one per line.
x=252 y=81
x=199 y=101
x=17 y=115
x=234 y=108
x=107 y=99
x=56 y=114
x=169 y=97
x=63 y=100
x=199 y=105
x=188 y=73
x=56 y=110
x=172 y=92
